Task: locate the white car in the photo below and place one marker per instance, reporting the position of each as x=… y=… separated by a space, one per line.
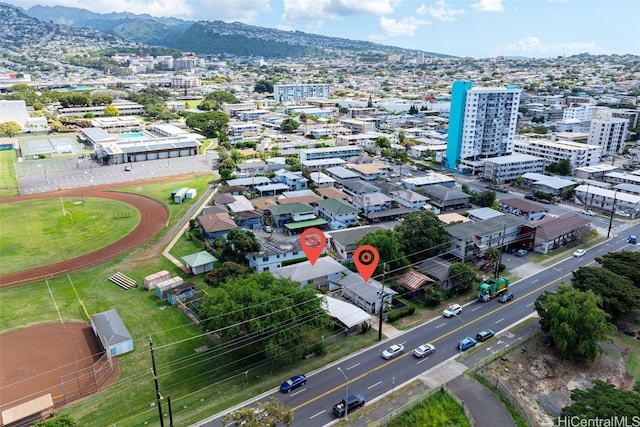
x=392 y=351
x=588 y=212
x=452 y=310
x=424 y=350
x=579 y=253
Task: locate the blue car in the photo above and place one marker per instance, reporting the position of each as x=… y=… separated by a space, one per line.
x=466 y=343
x=293 y=382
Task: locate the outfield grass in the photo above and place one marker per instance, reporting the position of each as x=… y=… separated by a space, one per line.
x=46 y=231
x=8 y=182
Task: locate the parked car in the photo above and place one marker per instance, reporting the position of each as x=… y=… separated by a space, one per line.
x=394 y=175
x=587 y=212
x=466 y=343
x=488 y=266
x=348 y=405
x=505 y=297
x=482 y=336
x=452 y=310
x=578 y=253
x=632 y=239
x=530 y=197
x=293 y=383
x=393 y=351
x=267 y=229
x=127 y=168
x=521 y=252
x=424 y=350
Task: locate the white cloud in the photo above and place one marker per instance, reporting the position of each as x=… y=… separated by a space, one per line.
x=196 y=10
x=335 y=9
x=532 y=46
x=404 y=27
x=441 y=11
x=488 y=6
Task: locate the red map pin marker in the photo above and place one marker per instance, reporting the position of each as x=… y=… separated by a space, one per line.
x=313 y=242
x=366 y=260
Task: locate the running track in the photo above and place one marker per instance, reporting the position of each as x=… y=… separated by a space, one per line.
x=153 y=218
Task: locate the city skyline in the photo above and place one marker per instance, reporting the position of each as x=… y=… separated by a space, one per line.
x=474 y=28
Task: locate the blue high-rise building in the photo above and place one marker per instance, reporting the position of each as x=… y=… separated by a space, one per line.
x=482 y=124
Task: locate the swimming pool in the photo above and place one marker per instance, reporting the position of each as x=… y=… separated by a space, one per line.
x=134 y=136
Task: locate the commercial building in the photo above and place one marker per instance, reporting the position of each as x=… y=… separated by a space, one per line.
x=482 y=124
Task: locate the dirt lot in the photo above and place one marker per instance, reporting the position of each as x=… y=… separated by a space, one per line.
x=541 y=382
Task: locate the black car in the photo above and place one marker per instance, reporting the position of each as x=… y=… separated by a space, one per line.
x=530 y=197
x=507 y=296
x=484 y=335
x=348 y=405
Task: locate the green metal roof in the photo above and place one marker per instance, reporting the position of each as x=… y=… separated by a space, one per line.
x=198 y=259
x=304 y=224
x=292 y=208
x=338 y=206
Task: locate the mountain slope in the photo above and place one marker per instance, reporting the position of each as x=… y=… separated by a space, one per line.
x=209 y=37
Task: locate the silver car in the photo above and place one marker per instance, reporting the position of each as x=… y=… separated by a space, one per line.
x=424 y=350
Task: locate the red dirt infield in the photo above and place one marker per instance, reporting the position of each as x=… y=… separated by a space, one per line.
x=153 y=217
x=37 y=360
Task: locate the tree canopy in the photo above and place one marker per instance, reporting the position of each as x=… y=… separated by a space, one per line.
x=624 y=263
x=422 y=236
x=263 y=86
x=10 y=129
x=388 y=246
x=602 y=401
x=220 y=97
x=211 y=123
x=238 y=243
x=574 y=321
x=618 y=293
x=461 y=276
x=289 y=125
x=263 y=316
x=228 y=270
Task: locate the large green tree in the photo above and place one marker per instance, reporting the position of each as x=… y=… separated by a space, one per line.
x=289 y=125
x=263 y=86
x=219 y=97
x=263 y=316
x=211 y=123
x=10 y=129
x=388 y=246
x=574 y=321
x=603 y=401
x=624 y=263
x=461 y=276
x=618 y=293
x=485 y=198
x=421 y=235
x=228 y=270
x=239 y=242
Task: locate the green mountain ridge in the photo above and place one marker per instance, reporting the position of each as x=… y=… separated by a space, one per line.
x=210 y=37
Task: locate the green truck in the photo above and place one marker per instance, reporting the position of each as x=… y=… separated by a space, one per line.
x=491 y=288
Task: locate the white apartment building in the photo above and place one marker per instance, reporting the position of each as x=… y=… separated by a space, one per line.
x=490 y=119
x=500 y=170
x=582 y=112
x=609 y=134
x=579 y=154
x=185 y=81
x=330 y=152
x=296 y=92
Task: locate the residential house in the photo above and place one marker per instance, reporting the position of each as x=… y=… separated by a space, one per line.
x=447 y=198
x=437 y=269
x=471 y=239
x=557 y=232
x=332 y=193
x=345 y=242
x=359 y=188
x=294 y=180
x=338 y=213
x=429 y=180
x=365 y=295
x=321 y=180
x=530 y=210
x=347 y=316
x=452 y=218
x=373 y=202
x=342 y=175
x=215 y=226
x=482 y=214
x=415 y=283
x=273 y=253
x=369 y=171
x=322 y=164
x=324 y=274
x=547 y=184
x=249 y=220
x=409 y=199
x=295 y=217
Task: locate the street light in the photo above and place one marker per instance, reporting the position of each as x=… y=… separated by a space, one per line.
x=346 y=395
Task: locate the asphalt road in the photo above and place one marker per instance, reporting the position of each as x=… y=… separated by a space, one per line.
x=373 y=376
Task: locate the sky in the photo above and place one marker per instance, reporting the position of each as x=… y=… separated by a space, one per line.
x=473 y=28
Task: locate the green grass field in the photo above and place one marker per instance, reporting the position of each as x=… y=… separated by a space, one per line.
x=46 y=231
x=8 y=181
x=439 y=409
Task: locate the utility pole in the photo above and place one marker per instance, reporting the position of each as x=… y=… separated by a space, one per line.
x=382 y=295
x=155 y=378
x=497 y=267
x=613 y=207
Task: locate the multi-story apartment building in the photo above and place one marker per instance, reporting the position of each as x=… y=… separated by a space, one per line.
x=296 y=92
x=185 y=81
x=482 y=124
x=579 y=154
x=500 y=170
x=343 y=152
x=609 y=134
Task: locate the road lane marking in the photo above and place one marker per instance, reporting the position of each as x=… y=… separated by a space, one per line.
x=374 y=385
x=477 y=308
x=441 y=325
x=298 y=392
x=319 y=413
x=353 y=366
x=498 y=321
